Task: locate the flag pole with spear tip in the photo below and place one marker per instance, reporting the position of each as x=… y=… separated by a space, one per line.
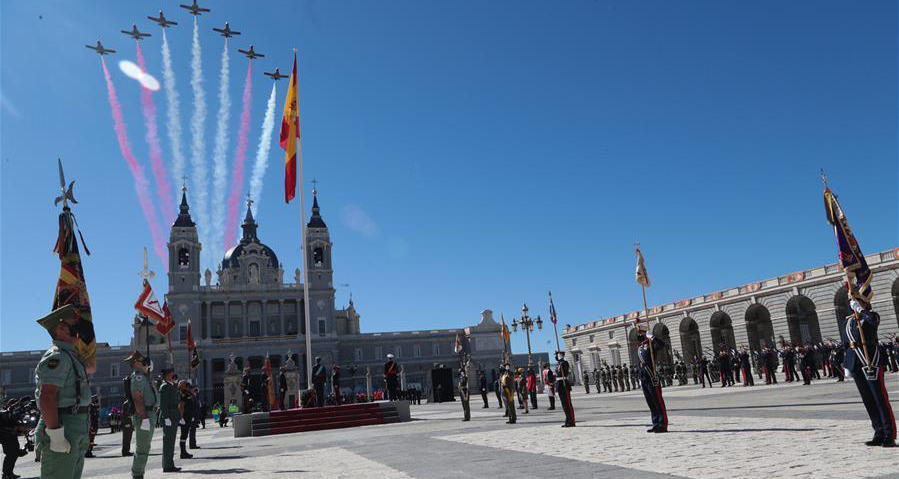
x=643 y=278
x=554 y=319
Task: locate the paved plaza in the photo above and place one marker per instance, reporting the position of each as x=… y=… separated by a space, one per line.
x=784 y=431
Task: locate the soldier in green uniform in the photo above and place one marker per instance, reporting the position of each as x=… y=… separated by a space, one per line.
x=170 y=417
x=63 y=396
x=145 y=400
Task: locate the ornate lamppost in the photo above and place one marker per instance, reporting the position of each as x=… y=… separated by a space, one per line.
x=527 y=325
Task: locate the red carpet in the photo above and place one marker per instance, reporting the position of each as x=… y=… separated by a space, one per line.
x=331 y=417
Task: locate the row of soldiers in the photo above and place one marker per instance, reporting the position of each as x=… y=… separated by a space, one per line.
x=612 y=378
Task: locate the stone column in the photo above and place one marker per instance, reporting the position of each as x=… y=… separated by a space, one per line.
x=244 y=318
x=368 y=382
x=403 y=378
x=232 y=384
x=282 y=327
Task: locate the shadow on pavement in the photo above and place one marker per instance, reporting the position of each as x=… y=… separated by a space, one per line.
x=233 y=470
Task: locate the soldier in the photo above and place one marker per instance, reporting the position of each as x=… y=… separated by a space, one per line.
x=391 y=375
x=282 y=386
x=521 y=381
x=94 y=415
x=744 y=365
x=635 y=377
x=319 y=376
x=145 y=400
x=607 y=378
x=498 y=389
x=836 y=361
x=563 y=388
x=61 y=392
x=508 y=385
x=335 y=383
x=597 y=380
x=614 y=377
x=186 y=407
x=170 y=416
x=245 y=390
x=652 y=390
x=622 y=372
x=482 y=384
x=464 y=395
x=867 y=366
x=587 y=382
x=127 y=412
x=549 y=380
x=724 y=367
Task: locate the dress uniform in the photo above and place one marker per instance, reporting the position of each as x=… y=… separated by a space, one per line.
x=587 y=382
x=464 y=395
x=169 y=418
x=282 y=387
x=145 y=399
x=94 y=424
x=652 y=389
x=61 y=368
x=868 y=376
x=391 y=377
x=549 y=382
x=563 y=387
x=597 y=381
x=127 y=412
x=508 y=385
x=245 y=390
x=622 y=373
x=482 y=382
x=747 y=372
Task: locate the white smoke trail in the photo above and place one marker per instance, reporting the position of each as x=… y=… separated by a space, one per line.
x=265 y=144
x=219 y=161
x=198 y=142
x=173 y=108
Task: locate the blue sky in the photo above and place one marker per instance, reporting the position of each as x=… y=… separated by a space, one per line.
x=474 y=155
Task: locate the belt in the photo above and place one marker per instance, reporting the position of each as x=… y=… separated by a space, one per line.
x=72 y=410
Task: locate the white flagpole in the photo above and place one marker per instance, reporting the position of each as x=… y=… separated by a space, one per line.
x=303 y=249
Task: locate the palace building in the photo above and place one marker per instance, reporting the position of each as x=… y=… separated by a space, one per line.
x=799 y=308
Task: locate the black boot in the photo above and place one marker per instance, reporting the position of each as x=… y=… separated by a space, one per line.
x=184 y=453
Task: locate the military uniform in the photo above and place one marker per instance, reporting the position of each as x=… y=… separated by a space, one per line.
x=61 y=366
x=587 y=382
x=549 y=381
x=597 y=381
x=127 y=412
x=508 y=385
x=652 y=389
x=143 y=429
x=563 y=388
x=169 y=417
x=464 y=396
x=869 y=376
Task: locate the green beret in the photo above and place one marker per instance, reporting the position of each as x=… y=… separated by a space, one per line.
x=57 y=316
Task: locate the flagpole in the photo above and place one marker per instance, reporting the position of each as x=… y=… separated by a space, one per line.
x=304 y=253
x=652 y=356
x=554 y=320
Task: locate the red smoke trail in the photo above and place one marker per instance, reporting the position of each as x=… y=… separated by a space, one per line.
x=163 y=188
x=239 y=158
x=141 y=186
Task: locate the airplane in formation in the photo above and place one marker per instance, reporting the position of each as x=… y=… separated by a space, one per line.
x=100 y=50
x=195 y=9
x=251 y=54
x=135 y=33
x=162 y=20
x=276 y=75
x=226 y=32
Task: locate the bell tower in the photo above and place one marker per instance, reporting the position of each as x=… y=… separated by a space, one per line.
x=184 y=251
x=320 y=274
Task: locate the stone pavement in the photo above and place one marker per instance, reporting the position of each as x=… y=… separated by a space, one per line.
x=779 y=431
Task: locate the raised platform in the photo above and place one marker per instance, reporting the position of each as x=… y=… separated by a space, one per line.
x=316 y=419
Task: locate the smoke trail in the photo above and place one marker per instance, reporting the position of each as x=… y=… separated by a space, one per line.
x=198 y=141
x=173 y=108
x=240 y=157
x=141 y=186
x=219 y=160
x=265 y=143
x=148 y=107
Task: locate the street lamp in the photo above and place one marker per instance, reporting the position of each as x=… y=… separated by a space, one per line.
x=527 y=325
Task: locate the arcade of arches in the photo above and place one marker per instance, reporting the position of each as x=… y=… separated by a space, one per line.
x=722 y=331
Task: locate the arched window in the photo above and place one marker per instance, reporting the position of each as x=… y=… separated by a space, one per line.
x=183 y=258
x=318 y=256
x=803 y=321
x=759 y=328
x=722 y=331
x=689 y=339
x=661 y=331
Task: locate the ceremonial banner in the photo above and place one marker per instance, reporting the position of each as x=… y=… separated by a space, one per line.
x=552 y=309
x=167 y=322
x=458 y=347
x=148 y=305
x=72 y=289
x=192 y=348
x=505 y=331
x=852 y=260
x=642 y=276
x=290 y=134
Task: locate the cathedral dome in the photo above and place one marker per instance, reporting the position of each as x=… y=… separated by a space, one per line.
x=249 y=246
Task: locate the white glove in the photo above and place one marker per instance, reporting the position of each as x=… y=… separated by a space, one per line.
x=168 y=422
x=247 y=392
x=181 y=422
x=145 y=424
x=649 y=335
x=58 y=441
x=856 y=306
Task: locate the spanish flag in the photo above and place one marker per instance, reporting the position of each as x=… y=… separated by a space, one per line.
x=505 y=331
x=290 y=135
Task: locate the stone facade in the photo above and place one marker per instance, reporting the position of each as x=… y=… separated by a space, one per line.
x=250 y=312
x=805 y=306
